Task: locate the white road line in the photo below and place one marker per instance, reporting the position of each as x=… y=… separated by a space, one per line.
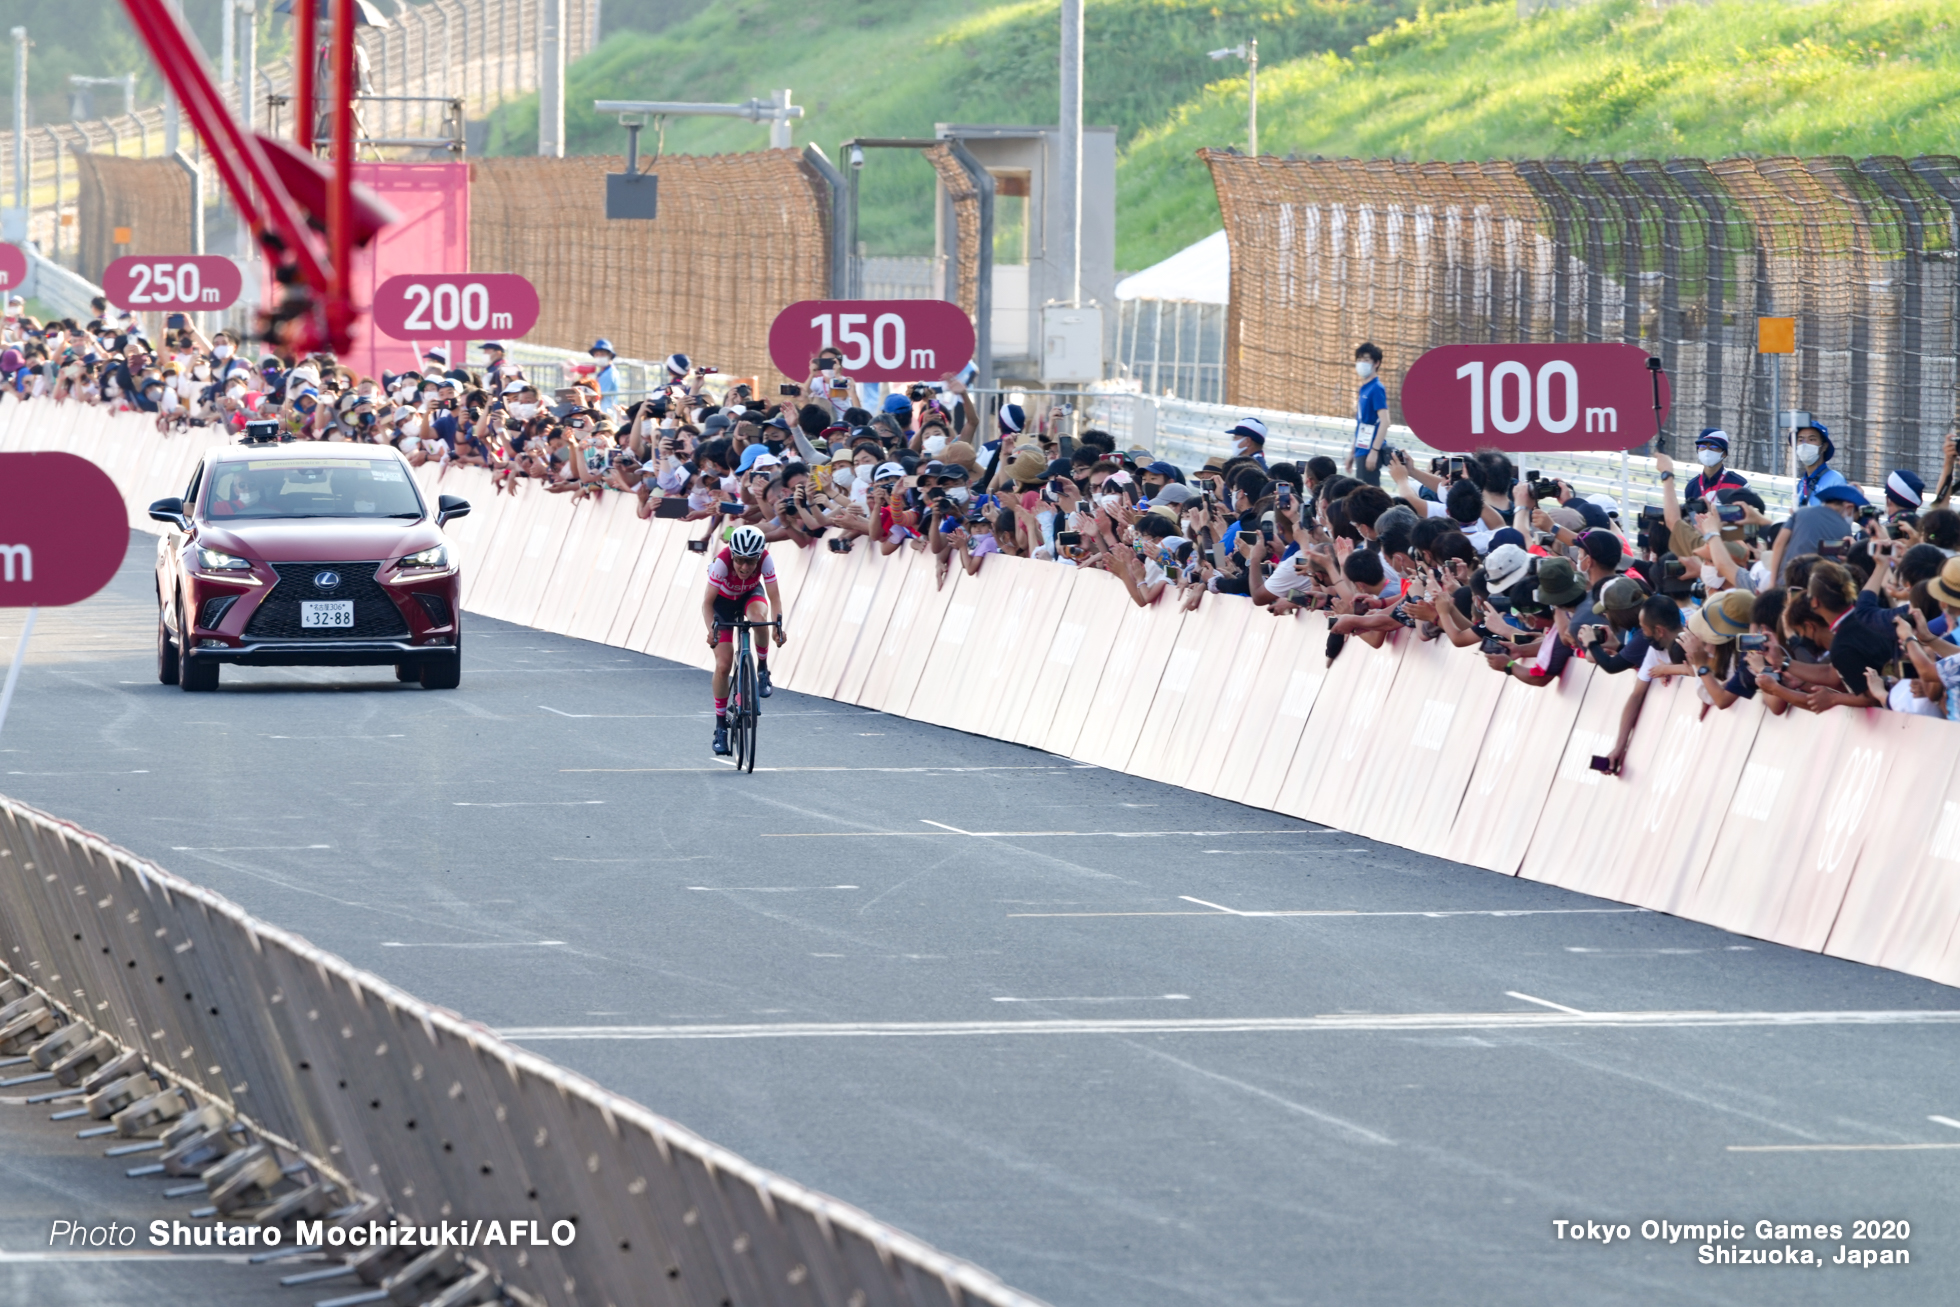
x=943 y=826
x=1945 y=1120
x=528 y=803
x=1128 y=998
x=1835 y=1148
x=1336 y=1023
x=901 y=770
x=1002 y=834
x=515 y=943
x=1543 y=1002
x=669 y=716
x=1350 y=912
x=9 y=1258
x=768 y=889
x=1299 y=1108
x=1206 y=903
x=244 y=848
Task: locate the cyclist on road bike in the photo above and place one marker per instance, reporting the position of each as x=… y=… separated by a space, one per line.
x=737 y=580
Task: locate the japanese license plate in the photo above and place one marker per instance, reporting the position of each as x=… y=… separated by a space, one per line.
x=328 y=613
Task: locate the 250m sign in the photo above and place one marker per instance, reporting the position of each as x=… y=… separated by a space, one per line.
x=880 y=340
x=443 y=306
x=1537 y=399
x=177 y=283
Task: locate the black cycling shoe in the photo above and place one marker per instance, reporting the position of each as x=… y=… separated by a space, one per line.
x=721 y=739
x=763 y=688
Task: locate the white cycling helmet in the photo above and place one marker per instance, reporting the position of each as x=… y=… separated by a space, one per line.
x=746 y=542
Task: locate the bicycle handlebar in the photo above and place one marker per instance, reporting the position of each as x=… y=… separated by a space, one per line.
x=745 y=624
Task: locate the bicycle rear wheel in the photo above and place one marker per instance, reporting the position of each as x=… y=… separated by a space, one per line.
x=742 y=718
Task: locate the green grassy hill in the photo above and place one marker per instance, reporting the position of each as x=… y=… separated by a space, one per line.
x=892 y=68
x=1618 y=78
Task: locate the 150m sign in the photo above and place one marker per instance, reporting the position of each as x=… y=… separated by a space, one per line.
x=442 y=306
x=880 y=340
x=1532 y=398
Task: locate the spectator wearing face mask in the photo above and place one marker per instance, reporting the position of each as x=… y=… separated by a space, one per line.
x=1814 y=471
x=1370 y=416
x=605 y=375
x=1712 y=452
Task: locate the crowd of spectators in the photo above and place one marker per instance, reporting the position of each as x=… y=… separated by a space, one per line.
x=1843 y=601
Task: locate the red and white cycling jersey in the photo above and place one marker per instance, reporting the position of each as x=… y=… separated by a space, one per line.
x=721 y=575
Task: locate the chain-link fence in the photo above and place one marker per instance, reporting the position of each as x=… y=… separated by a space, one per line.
x=482 y=52
x=739 y=236
x=1680 y=257
x=129 y=206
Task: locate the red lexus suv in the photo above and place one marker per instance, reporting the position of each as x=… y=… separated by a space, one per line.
x=307 y=554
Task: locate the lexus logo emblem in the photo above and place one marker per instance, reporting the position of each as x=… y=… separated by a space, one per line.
x=325 y=580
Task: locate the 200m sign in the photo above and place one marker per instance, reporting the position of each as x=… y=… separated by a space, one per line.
x=880 y=340
x=443 y=306
x=178 y=283
x=1538 y=399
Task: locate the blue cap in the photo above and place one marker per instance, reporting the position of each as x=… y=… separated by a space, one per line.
x=897 y=403
x=750 y=455
x=1509 y=535
x=1013 y=419
x=1713 y=436
x=602 y=344
x=1844 y=494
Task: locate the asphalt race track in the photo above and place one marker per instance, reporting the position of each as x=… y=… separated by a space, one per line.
x=907 y=966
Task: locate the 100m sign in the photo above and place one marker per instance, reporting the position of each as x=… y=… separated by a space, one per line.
x=441 y=306
x=1532 y=398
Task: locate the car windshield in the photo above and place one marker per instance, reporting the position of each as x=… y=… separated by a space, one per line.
x=261 y=489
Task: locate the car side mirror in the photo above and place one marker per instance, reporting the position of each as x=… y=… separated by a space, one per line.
x=171 y=511
x=447 y=507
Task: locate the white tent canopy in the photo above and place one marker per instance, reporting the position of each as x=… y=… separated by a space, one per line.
x=1200 y=274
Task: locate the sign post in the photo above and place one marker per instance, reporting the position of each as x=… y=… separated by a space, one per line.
x=63 y=533
x=1776 y=337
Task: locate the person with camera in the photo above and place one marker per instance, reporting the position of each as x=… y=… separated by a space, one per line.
x=1833 y=518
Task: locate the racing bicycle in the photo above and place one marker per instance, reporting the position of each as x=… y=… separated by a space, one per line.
x=744 y=703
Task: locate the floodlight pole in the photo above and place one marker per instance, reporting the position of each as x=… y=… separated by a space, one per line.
x=1071 y=151
x=1248 y=51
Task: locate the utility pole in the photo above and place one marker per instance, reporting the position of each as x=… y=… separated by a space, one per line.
x=779 y=132
x=1248 y=51
x=551 y=82
x=20 y=129
x=228 y=44
x=1071 y=152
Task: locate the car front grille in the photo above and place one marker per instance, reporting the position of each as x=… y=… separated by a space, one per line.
x=375 y=614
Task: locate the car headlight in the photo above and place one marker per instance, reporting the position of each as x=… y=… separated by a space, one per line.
x=213 y=560
x=433 y=556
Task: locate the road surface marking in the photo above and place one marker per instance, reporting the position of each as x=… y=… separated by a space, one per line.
x=244 y=848
x=1945 y=1120
x=1009 y=834
x=1335 y=1023
x=768 y=889
x=530 y=803
x=903 y=770
x=1835 y=1148
x=1543 y=1002
x=515 y=943
x=1351 y=912
x=1121 y=998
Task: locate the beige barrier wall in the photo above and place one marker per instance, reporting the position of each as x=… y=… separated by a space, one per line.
x=1837 y=833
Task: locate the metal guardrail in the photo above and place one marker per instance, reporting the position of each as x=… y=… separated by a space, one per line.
x=1187 y=433
x=406 y=1112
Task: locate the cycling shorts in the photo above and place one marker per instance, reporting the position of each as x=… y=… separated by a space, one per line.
x=731 y=610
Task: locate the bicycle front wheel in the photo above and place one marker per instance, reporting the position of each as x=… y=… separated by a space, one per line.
x=744 y=714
